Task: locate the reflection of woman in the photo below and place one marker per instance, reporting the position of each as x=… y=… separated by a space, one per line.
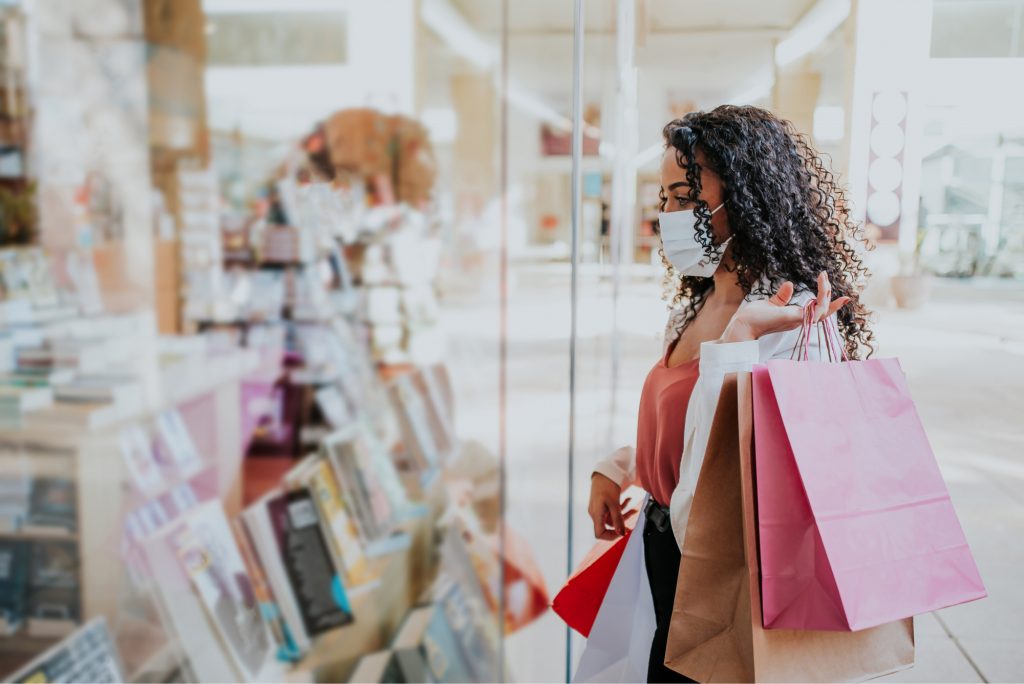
x=753 y=227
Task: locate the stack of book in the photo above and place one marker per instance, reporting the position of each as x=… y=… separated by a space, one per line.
x=200 y=239
x=281 y=245
x=16 y=401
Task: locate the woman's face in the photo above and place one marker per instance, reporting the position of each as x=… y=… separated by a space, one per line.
x=676 y=189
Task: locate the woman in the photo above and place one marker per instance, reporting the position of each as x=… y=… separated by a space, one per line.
x=753 y=226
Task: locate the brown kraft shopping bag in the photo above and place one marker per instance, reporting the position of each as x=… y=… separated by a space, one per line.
x=716 y=633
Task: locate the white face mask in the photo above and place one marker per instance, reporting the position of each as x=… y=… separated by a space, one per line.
x=682 y=249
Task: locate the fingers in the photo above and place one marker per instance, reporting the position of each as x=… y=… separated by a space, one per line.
x=782 y=297
x=837 y=305
x=607 y=516
x=617 y=524
x=598 y=520
x=625 y=503
x=824 y=298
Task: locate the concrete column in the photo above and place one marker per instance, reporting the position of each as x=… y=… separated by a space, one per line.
x=892 y=43
x=795 y=95
x=474 y=99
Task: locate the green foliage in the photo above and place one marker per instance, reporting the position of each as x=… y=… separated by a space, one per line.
x=18 y=215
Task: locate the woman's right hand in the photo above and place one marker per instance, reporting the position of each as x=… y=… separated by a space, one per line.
x=605 y=509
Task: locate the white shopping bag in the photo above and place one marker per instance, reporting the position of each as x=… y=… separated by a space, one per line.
x=619 y=646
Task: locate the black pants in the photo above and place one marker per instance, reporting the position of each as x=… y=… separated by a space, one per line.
x=661 y=555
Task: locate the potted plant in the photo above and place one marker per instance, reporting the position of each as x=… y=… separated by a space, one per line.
x=17 y=215
x=913 y=285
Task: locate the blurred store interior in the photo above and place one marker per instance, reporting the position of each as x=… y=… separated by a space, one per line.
x=298 y=361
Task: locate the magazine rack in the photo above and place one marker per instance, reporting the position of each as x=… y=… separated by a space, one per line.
x=207 y=398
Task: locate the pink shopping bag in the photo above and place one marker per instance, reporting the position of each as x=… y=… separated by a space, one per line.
x=856 y=525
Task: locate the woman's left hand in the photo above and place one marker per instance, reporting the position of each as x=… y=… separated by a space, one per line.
x=755 y=319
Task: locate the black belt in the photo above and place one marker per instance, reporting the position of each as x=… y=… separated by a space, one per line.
x=657 y=515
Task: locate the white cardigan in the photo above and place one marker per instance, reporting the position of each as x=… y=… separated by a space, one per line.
x=716 y=360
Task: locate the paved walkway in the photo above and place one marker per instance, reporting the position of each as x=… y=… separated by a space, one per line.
x=965 y=362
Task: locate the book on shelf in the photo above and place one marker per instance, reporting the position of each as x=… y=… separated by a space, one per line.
x=379 y=666
x=140 y=460
x=15 y=402
x=54 y=596
x=462 y=597
x=383 y=305
x=177 y=443
x=15 y=492
x=428 y=647
x=316 y=584
x=287 y=650
x=79 y=415
x=25 y=273
x=265 y=543
x=183 y=607
x=88 y=654
x=333 y=406
x=6 y=348
x=209 y=556
x=407 y=646
x=81 y=355
x=14 y=574
x=184 y=498
x=121 y=389
x=45 y=377
x=52 y=506
x=85 y=285
x=430 y=386
x=336 y=520
x=414 y=420
x=359 y=483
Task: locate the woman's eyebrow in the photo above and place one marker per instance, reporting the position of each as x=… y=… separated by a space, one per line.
x=678 y=185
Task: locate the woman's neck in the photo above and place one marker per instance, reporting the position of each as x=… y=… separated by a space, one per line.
x=727 y=286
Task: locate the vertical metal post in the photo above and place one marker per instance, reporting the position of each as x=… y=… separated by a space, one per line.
x=577 y=197
x=623 y=196
x=502 y=335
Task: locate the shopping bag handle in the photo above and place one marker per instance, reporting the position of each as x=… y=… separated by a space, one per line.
x=833 y=344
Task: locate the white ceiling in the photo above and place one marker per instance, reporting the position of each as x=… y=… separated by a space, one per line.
x=699 y=50
x=555 y=16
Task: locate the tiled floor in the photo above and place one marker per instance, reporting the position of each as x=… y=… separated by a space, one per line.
x=965 y=361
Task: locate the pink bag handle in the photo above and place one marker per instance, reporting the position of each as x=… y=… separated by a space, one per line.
x=833 y=346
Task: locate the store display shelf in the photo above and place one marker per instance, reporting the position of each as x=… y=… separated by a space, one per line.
x=283 y=265
x=403 y=576
x=178 y=384
x=39 y=535
x=22 y=642
x=162 y=661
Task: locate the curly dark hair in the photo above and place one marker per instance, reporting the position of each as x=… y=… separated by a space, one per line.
x=788 y=215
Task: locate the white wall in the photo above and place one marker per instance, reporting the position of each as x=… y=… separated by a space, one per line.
x=285 y=102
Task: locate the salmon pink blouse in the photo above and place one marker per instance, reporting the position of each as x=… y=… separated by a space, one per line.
x=661 y=425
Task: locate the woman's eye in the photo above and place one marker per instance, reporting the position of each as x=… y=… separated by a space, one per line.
x=683 y=201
